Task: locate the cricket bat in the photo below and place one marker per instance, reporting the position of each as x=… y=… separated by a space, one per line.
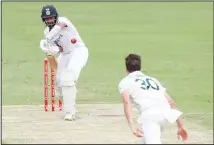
x=52 y=61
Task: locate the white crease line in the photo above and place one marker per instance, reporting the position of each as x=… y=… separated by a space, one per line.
x=16 y=106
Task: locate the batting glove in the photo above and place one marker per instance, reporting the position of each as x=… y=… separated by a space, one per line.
x=47 y=48
x=43 y=45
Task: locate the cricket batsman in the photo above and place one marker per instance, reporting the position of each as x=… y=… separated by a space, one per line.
x=155 y=105
x=63 y=40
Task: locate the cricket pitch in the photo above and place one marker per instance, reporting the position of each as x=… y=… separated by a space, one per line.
x=95 y=123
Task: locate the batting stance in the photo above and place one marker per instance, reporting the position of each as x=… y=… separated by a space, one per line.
x=61 y=37
x=154 y=104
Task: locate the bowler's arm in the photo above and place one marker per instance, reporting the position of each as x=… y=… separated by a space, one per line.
x=127 y=107
x=173 y=106
x=170 y=101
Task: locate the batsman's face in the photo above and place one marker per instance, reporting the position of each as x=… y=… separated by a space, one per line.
x=49 y=20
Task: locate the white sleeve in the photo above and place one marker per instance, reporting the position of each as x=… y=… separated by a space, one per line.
x=123 y=85
x=46 y=31
x=52 y=43
x=56 y=29
x=64 y=20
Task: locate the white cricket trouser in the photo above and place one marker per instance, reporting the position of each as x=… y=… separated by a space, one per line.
x=152 y=121
x=151 y=132
x=74 y=61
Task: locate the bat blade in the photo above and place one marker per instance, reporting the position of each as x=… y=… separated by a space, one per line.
x=52 y=62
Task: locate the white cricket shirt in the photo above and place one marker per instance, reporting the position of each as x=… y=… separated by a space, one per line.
x=148 y=95
x=65 y=36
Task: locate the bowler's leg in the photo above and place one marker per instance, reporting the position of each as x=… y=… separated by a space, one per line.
x=151 y=133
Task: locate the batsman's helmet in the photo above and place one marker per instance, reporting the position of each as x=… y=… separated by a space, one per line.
x=49 y=11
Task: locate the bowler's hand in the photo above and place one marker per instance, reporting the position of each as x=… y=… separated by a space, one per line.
x=182 y=133
x=136 y=131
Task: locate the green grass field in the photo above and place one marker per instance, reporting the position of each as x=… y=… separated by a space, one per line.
x=174 y=40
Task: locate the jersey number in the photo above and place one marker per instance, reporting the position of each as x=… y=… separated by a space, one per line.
x=147 y=84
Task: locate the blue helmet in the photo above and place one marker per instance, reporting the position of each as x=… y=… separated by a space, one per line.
x=49 y=11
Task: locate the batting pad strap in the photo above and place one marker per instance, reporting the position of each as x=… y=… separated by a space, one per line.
x=55 y=30
x=67 y=78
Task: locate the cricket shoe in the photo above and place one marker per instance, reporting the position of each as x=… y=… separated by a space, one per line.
x=69 y=117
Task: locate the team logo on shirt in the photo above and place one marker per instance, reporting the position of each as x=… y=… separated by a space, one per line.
x=58 y=39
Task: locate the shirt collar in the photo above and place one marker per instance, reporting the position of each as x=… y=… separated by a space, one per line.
x=136 y=73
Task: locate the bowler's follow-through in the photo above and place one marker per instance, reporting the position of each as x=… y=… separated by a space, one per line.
x=152 y=100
